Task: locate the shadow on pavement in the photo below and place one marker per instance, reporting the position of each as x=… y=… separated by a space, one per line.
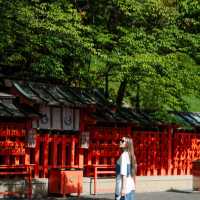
x=179 y=191
x=57 y=198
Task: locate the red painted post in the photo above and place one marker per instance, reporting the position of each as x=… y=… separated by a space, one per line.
x=46 y=151
x=27 y=156
x=104 y=135
x=81 y=158
x=154 y=152
x=181 y=156
x=97 y=151
x=169 y=171
x=27 y=150
x=72 y=151
x=81 y=151
x=54 y=153
x=148 y=154
x=37 y=153
x=93 y=134
x=17 y=159
x=95 y=180
x=64 y=142
x=163 y=153
x=188 y=159
x=175 y=155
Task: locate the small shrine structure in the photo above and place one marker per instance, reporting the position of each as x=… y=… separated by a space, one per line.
x=15 y=141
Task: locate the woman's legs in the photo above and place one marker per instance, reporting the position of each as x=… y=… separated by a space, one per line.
x=130 y=196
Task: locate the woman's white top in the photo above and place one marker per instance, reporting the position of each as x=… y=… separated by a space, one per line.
x=123 y=167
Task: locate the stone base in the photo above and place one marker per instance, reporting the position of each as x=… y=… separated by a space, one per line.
x=196 y=183
x=143 y=184
x=18 y=187
x=163 y=183
x=105 y=185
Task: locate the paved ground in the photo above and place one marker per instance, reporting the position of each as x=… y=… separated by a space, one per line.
x=170 y=195
x=161 y=196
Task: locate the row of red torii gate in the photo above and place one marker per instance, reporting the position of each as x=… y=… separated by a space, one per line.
x=51 y=126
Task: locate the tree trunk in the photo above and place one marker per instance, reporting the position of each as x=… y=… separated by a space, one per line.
x=138 y=98
x=121 y=92
x=106 y=94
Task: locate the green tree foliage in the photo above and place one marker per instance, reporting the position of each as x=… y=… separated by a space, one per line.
x=143 y=52
x=157 y=54
x=150 y=53
x=46 y=37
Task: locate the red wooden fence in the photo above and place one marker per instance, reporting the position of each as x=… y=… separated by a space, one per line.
x=157 y=152
x=186 y=148
x=55 y=151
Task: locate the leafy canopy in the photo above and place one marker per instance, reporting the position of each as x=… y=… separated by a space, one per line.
x=45 y=37
x=143 y=52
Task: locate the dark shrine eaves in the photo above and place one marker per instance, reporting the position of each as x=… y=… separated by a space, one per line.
x=57 y=94
x=9 y=109
x=106 y=111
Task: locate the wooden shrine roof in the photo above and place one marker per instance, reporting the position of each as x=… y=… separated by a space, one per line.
x=106 y=111
x=192 y=118
x=8 y=109
x=52 y=94
x=123 y=115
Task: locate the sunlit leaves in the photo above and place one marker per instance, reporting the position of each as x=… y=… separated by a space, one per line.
x=153 y=45
x=190 y=15
x=48 y=37
x=158 y=57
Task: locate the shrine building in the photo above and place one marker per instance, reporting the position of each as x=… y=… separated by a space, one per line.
x=47 y=126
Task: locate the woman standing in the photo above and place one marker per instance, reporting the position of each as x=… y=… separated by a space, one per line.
x=126 y=171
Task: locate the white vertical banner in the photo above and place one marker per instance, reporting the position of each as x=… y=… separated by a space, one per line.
x=35 y=123
x=85 y=139
x=44 y=121
x=31 y=138
x=68 y=118
x=56 y=118
x=76 y=119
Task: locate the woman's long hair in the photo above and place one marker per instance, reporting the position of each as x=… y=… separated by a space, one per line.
x=130 y=149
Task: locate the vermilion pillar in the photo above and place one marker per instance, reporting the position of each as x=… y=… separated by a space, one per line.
x=64 y=142
x=27 y=157
x=37 y=153
x=17 y=159
x=170 y=129
x=72 y=151
x=163 y=150
x=46 y=150
x=81 y=158
x=81 y=128
x=27 y=150
x=54 y=151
